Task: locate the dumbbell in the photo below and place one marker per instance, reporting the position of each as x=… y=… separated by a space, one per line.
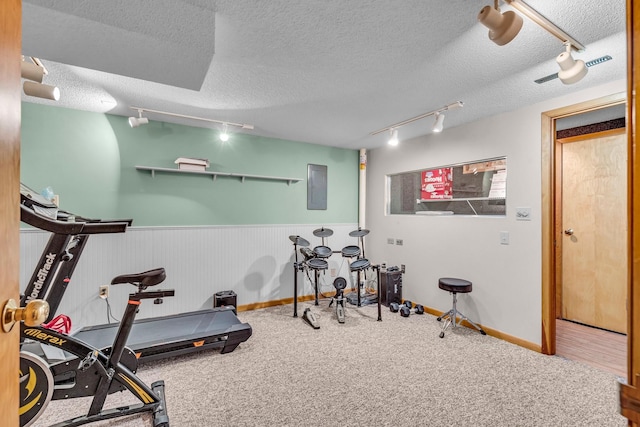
x=419 y=309
x=405 y=308
x=395 y=307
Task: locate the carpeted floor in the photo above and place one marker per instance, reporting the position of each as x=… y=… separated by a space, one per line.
x=370 y=373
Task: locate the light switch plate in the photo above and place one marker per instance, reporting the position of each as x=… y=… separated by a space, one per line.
x=523 y=214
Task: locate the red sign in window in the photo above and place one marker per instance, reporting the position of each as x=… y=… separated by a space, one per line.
x=437 y=184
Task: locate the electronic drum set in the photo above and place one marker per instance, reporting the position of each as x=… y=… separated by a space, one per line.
x=316 y=260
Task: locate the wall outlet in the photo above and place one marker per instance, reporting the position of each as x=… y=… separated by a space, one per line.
x=390 y=240
x=103 y=291
x=504 y=237
x=399 y=242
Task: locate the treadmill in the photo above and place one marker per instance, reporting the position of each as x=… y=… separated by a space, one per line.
x=150 y=339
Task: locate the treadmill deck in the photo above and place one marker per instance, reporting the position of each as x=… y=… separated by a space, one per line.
x=162 y=337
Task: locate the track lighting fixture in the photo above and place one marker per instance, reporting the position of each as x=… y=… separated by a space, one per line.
x=544 y=23
x=437 y=127
x=134 y=122
x=589 y=64
x=438 y=124
x=503 y=27
x=393 y=137
x=41 y=90
x=33 y=72
x=224 y=135
x=571 y=70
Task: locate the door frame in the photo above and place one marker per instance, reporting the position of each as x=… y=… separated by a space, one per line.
x=10 y=93
x=629 y=395
x=551 y=226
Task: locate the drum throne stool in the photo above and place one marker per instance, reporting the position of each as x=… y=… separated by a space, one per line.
x=455 y=286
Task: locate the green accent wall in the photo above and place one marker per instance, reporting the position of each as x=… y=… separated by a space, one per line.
x=89 y=160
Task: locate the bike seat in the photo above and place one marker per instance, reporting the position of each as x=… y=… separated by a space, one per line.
x=145 y=279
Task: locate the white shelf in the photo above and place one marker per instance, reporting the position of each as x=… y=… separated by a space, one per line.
x=214 y=175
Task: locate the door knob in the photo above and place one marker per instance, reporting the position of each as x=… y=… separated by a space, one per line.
x=569 y=232
x=33 y=314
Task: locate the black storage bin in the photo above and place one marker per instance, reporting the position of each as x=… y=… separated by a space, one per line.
x=391 y=287
x=223 y=298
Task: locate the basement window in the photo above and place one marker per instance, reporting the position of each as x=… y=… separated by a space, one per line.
x=476 y=188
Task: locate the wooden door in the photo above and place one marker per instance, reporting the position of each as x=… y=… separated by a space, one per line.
x=10 y=39
x=594 y=224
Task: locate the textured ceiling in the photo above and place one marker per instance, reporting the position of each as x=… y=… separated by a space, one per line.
x=320 y=71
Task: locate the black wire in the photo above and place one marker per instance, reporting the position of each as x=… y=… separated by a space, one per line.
x=109 y=314
x=312 y=282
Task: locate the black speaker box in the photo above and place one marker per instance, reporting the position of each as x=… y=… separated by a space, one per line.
x=224 y=298
x=391 y=287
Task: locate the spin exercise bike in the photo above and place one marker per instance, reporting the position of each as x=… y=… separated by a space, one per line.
x=91 y=371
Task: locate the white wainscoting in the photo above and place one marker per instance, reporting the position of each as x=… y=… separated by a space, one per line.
x=253 y=261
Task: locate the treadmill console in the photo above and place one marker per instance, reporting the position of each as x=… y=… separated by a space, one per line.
x=41 y=213
x=39 y=204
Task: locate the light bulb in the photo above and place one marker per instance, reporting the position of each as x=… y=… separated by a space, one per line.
x=437 y=126
x=393 y=140
x=224 y=135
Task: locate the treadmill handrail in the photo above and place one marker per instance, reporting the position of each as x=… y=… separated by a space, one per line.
x=29 y=216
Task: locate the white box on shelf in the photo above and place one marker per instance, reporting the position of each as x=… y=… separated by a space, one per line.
x=187 y=163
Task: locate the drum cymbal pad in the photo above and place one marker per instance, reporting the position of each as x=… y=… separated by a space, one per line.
x=359 y=233
x=323 y=232
x=300 y=241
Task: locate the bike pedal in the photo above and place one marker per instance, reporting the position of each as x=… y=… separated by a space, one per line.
x=88 y=361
